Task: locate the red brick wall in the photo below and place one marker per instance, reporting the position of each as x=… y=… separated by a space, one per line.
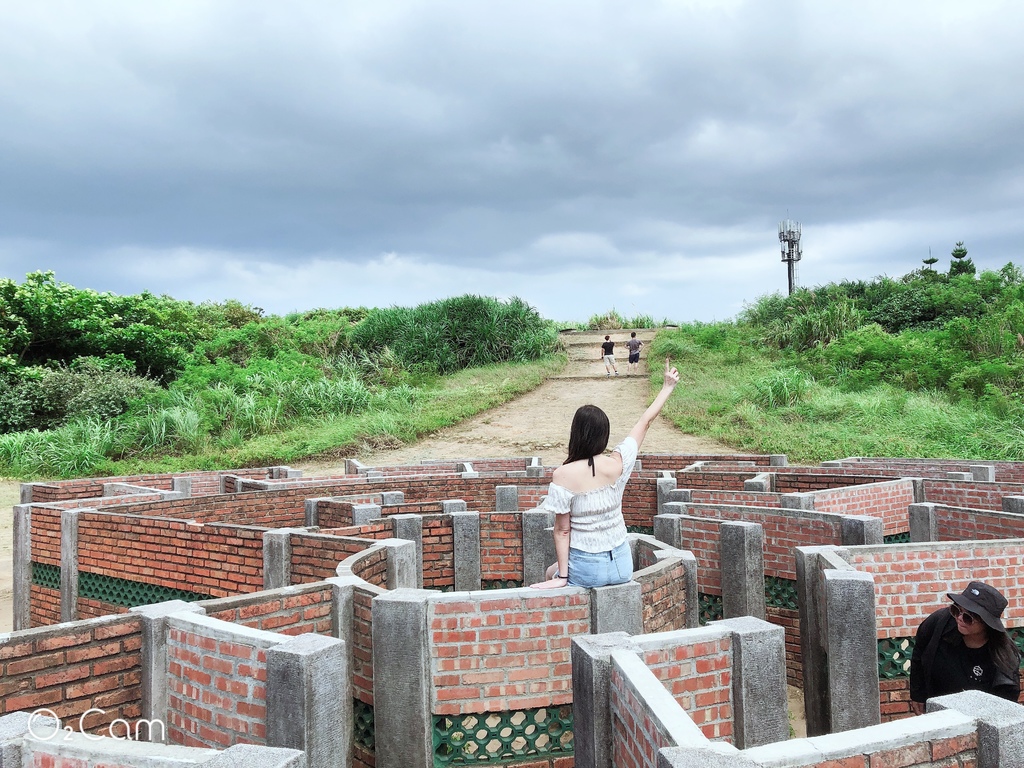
x=966 y=493
x=501 y=546
x=887 y=501
x=741 y=498
x=640 y=501
x=636 y=736
x=677 y=461
x=949 y=752
x=216 y=683
x=663 y=595
x=789 y=620
x=699 y=677
x=729 y=481
x=438 y=552
x=217 y=560
x=203 y=484
x=285 y=611
x=73 y=668
x=315 y=556
x=504 y=653
x=362 y=644
x=956 y=524
x=819 y=480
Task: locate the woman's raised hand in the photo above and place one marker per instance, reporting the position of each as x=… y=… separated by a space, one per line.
x=671 y=375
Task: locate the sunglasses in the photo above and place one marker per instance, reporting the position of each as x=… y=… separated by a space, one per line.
x=966 y=617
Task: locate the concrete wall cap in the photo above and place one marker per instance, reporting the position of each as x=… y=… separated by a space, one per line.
x=225 y=630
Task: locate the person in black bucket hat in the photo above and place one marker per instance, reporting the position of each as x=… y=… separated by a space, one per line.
x=964 y=646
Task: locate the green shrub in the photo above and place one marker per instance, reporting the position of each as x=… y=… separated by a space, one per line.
x=780 y=388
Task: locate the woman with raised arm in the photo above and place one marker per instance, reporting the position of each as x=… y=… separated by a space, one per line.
x=586 y=496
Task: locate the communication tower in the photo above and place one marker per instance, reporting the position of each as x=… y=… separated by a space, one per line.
x=789 y=236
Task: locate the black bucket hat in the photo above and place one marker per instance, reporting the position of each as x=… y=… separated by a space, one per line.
x=985 y=602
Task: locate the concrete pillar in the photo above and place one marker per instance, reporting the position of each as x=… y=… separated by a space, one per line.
x=1000 y=725
x=22 y=565
x=778 y=460
x=856 y=530
x=760 y=713
x=985 y=473
x=506 y=498
x=354 y=467
x=343 y=610
x=742 y=556
x=154 y=659
x=311 y=513
x=668 y=526
x=759 y=483
x=182 y=485
x=402 y=571
x=402 y=681
x=591 y=673
x=452 y=505
x=812 y=639
x=1013 y=504
x=679 y=494
x=919 y=492
x=466 y=541
x=26 y=493
x=959 y=476
x=69 y=564
x=535 y=467
x=277 y=558
x=309 y=699
x=617 y=608
x=363 y=514
x=797 y=500
x=924 y=524
x=538 y=544
x=665 y=486
x=410 y=528
x=852 y=650
x=392 y=498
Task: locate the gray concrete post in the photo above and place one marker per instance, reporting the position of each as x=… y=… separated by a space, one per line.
x=924 y=524
x=402 y=680
x=452 y=505
x=665 y=486
x=856 y=530
x=959 y=476
x=410 y=528
x=617 y=608
x=852 y=650
x=25 y=493
x=778 y=460
x=154 y=659
x=538 y=544
x=1000 y=725
x=679 y=494
x=506 y=498
x=812 y=639
x=22 y=565
x=311 y=513
x=741 y=546
x=363 y=514
x=591 y=673
x=353 y=466
x=668 y=526
x=309 y=699
x=797 y=500
x=535 y=468
x=402 y=571
x=277 y=558
x=1013 y=505
x=69 y=564
x=466 y=542
x=985 y=473
x=760 y=714
x=392 y=498
x=182 y=485
x=758 y=483
x=919 y=492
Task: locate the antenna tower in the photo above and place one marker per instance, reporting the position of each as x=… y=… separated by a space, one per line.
x=789 y=236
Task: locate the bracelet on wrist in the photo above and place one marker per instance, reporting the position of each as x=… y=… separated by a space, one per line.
x=560 y=576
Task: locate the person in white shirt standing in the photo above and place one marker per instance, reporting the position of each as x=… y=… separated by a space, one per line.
x=585 y=494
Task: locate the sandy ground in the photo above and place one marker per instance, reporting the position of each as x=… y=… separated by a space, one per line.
x=536 y=424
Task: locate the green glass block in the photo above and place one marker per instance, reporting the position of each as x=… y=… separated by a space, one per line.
x=362 y=721
x=501 y=583
x=1017 y=635
x=897 y=538
x=645 y=529
x=502 y=737
x=115 y=591
x=710 y=607
x=44 y=575
x=780 y=593
x=894 y=657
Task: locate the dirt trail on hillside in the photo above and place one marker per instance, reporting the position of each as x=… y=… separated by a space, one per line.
x=537 y=423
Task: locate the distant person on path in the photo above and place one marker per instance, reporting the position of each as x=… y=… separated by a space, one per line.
x=634 y=345
x=964 y=647
x=608 y=351
x=586 y=496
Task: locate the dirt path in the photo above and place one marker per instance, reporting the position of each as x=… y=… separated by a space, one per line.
x=537 y=424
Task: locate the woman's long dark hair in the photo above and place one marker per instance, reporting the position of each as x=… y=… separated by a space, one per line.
x=588 y=436
x=1003 y=652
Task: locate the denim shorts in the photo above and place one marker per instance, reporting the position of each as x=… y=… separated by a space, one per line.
x=599 y=569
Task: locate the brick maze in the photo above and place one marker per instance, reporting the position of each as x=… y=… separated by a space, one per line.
x=382 y=616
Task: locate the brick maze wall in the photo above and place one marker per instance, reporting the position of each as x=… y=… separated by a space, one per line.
x=501 y=546
x=955 y=524
x=216 y=684
x=438 y=552
x=886 y=501
x=73 y=668
x=506 y=653
x=289 y=612
x=699 y=677
x=966 y=493
x=636 y=736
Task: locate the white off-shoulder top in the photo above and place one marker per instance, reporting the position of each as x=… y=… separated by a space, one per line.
x=596 y=515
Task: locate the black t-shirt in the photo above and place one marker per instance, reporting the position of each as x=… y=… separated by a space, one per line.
x=608 y=347
x=959 y=668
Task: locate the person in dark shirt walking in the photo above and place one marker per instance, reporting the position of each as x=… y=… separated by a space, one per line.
x=608 y=351
x=963 y=647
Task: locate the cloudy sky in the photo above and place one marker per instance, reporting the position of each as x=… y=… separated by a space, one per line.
x=581 y=154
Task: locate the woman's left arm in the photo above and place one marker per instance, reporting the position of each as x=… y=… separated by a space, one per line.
x=562 y=534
